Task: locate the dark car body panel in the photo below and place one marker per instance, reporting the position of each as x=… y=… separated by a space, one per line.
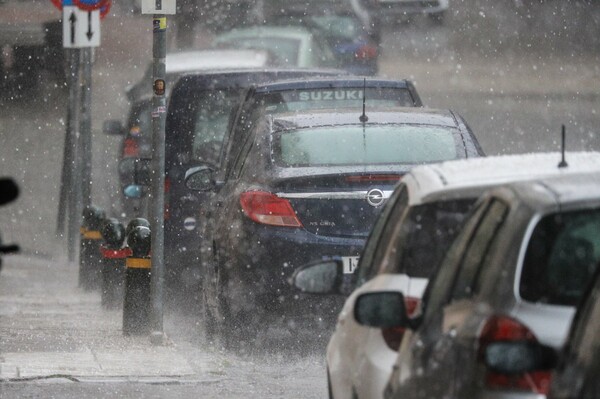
x=184 y=207
x=330 y=201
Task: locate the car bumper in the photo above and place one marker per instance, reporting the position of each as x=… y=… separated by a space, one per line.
x=262 y=261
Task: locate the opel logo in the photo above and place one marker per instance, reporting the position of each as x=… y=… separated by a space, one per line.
x=375 y=197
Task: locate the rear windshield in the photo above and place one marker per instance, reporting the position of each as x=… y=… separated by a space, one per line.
x=322 y=98
x=561 y=257
x=426 y=233
x=337 y=26
x=364 y=145
x=283 y=51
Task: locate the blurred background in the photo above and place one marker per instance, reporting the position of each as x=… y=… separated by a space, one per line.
x=515 y=69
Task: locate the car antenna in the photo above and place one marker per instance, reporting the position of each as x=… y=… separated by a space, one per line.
x=364 y=118
x=563 y=163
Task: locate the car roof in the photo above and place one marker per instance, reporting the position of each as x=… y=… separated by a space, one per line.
x=335 y=82
x=293 y=32
x=215 y=59
x=217 y=78
x=346 y=116
x=476 y=174
x=562 y=189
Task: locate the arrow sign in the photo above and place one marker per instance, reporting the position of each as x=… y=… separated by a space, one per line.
x=90 y=34
x=72 y=21
x=80 y=28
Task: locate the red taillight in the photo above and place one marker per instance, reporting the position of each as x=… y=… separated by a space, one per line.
x=506 y=329
x=267 y=208
x=393 y=335
x=366 y=52
x=372 y=178
x=535 y=381
x=131 y=147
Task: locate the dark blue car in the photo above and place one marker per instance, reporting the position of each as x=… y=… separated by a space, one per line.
x=304 y=186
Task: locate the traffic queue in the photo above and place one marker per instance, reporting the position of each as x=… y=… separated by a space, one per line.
x=305 y=199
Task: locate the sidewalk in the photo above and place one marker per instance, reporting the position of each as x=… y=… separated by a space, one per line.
x=49 y=328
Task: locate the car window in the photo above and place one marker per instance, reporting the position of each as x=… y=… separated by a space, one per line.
x=477 y=251
x=424 y=235
x=211 y=121
x=561 y=257
x=342 y=97
x=283 y=51
x=438 y=290
x=245 y=149
x=340 y=27
x=201 y=126
x=363 y=145
x=378 y=241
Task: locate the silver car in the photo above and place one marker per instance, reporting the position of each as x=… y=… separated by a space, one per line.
x=510 y=280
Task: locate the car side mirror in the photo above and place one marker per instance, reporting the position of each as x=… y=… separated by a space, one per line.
x=518 y=357
x=113 y=128
x=382 y=309
x=200 y=178
x=133 y=191
x=321 y=277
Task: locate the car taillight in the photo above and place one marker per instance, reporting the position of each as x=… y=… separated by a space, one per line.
x=372 y=178
x=366 y=52
x=267 y=208
x=505 y=330
x=131 y=147
x=393 y=335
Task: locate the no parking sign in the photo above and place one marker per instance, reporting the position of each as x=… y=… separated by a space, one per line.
x=86 y=5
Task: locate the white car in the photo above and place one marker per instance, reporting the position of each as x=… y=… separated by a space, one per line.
x=186 y=62
x=410 y=237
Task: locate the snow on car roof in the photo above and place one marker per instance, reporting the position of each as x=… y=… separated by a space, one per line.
x=212 y=59
x=494 y=170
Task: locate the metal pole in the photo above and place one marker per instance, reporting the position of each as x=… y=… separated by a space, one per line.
x=86 y=125
x=159 y=52
x=74 y=187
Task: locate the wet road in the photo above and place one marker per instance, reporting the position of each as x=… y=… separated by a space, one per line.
x=514 y=93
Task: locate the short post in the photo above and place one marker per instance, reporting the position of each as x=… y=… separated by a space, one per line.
x=113 y=264
x=136 y=304
x=90 y=258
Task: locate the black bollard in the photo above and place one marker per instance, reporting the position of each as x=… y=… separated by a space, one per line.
x=90 y=258
x=113 y=264
x=136 y=304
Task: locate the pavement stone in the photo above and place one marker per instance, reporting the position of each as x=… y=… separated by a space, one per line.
x=50 y=328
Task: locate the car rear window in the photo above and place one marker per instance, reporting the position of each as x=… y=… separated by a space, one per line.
x=337 y=26
x=324 y=98
x=283 y=51
x=561 y=258
x=364 y=145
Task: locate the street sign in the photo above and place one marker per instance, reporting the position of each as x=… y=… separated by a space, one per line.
x=80 y=28
x=90 y=5
x=104 y=5
x=158 y=7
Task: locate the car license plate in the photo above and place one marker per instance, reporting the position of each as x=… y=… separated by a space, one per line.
x=350 y=263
